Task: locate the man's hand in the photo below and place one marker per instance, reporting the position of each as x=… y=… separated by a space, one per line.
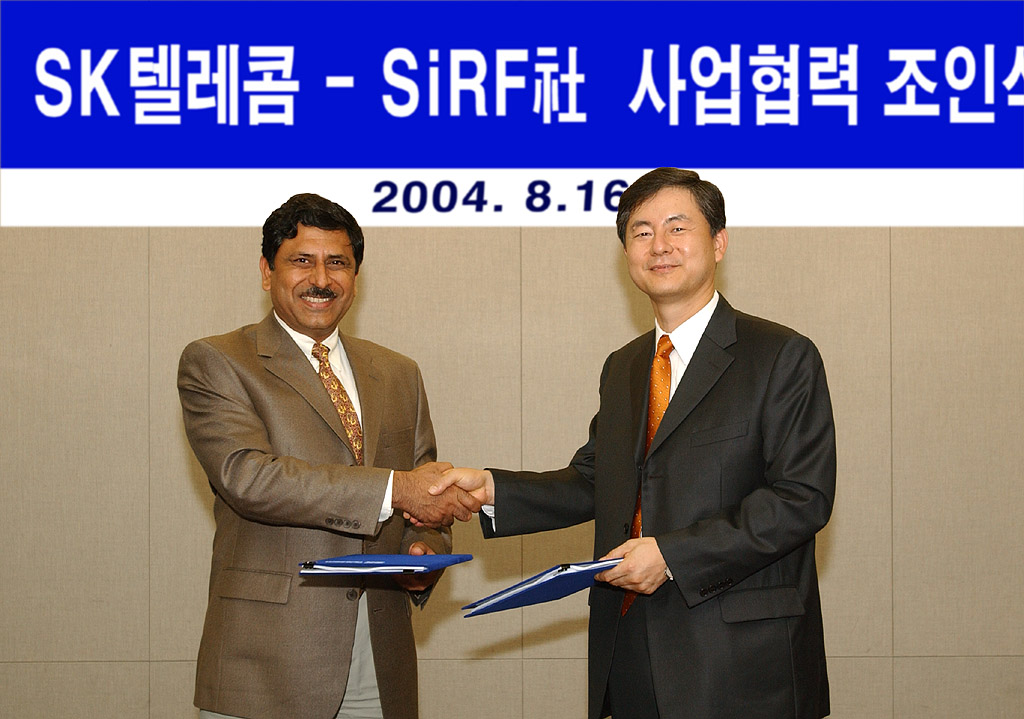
x=418 y=582
x=409 y=494
x=477 y=482
x=642 y=568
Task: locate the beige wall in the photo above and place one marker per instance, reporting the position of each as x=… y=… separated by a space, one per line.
x=105 y=517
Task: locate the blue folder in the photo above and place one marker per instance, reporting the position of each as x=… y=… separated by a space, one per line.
x=555 y=583
x=382 y=563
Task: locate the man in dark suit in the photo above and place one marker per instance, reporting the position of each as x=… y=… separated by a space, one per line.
x=310 y=441
x=709 y=468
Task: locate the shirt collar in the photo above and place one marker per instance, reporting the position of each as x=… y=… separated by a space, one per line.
x=305 y=342
x=686 y=336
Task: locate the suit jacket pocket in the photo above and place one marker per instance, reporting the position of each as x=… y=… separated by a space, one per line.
x=719 y=434
x=398 y=438
x=747 y=605
x=395 y=449
x=254 y=585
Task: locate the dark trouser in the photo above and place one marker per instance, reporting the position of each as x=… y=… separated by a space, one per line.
x=630 y=685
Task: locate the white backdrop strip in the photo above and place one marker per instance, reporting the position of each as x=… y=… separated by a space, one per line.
x=500 y=197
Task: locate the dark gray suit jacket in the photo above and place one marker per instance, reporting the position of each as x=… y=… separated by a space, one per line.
x=739 y=478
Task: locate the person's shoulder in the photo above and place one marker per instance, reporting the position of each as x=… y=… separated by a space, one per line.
x=641 y=343
x=215 y=354
x=624 y=356
x=243 y=334
x=240 y=340
x=775 y=339
x=379 y=353
x=762 y=327
x=637 y=345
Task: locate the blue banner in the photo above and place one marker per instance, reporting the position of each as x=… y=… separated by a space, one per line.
x=511 y=84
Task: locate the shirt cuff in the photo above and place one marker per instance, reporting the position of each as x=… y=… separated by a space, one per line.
x=488 y=509
x=386 y=510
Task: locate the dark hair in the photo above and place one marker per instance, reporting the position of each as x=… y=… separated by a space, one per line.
x=312 y=211
x=708 y=197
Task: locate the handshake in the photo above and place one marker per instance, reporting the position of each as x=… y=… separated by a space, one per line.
x=436 y=494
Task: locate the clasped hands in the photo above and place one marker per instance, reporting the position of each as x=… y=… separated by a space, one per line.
x=459 y=492
x=427 y=500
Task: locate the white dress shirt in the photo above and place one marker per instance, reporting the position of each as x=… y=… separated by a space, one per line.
x=684 y=340
x=342 y=369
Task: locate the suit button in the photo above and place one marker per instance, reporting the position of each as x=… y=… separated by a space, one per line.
x=330 y=521
x=352 y=594
x=728 y=582
x=703 y=591
x=355 y=524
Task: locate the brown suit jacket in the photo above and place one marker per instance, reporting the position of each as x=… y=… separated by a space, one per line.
x=275 y=644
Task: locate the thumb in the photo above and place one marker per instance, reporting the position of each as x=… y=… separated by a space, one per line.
x=619 y=551
x=447 y=479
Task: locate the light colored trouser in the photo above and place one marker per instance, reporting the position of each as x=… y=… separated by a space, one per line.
x=362 y=699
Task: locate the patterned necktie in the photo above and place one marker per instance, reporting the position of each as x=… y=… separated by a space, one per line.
x=347 y=412
x=657 y=403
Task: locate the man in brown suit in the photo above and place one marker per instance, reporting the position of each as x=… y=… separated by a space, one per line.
x=302 y=469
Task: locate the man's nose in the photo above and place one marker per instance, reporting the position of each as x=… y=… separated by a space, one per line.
x=660 y=243
x=320 y=277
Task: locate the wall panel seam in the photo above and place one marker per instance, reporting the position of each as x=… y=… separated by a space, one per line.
x=149 y=464
x=522 y=459
x=892 y=495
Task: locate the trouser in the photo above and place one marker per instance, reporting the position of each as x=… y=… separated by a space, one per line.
x=630 y=683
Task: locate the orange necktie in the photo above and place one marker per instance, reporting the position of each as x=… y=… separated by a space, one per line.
x=342 y=403
x=657 y=403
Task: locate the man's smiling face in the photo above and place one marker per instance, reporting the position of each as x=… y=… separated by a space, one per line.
x=670 y=251
x=313 y=281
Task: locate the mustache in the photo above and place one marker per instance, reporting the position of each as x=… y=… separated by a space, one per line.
x=320 y=293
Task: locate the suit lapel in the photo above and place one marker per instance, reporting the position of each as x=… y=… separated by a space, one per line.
x=639 y=379
x=709 y=362
x=283 y=358
x=370 y=386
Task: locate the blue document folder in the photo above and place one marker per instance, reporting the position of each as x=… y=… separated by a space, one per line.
x=382 y=563
x=555 y=583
